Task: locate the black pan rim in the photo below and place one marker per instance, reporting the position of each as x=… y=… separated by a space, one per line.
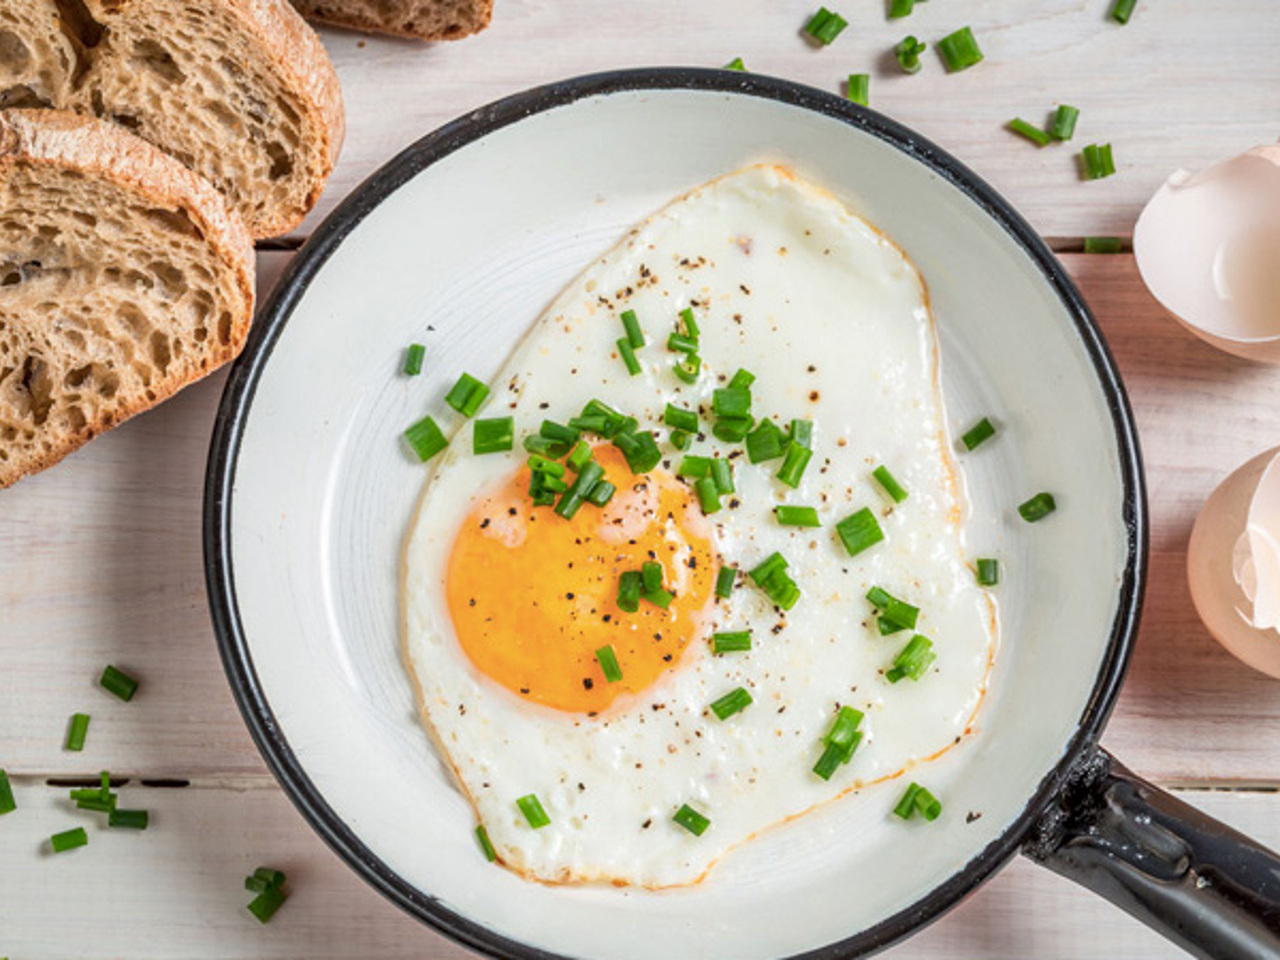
x=245 y=374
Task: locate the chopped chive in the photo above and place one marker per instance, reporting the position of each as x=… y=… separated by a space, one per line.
x=601 y=493
x=879 y=597
x=77 y=731
x=789 y=516
x=119 y=683
x=651 y=575
x=628 y=354
x=572 y=499
x=264 y=878
x=825 y=26
x=686 y=420
x=691 y=820
x=735 y=701
x=980 y=432
x=688 y=368
x=1098 y=161
x=609 y=664
x=1030 y=131
x=912 y=660
x=579 y=457
x=7 y=803
x=840 y=741
x=988 y=573
x=265 y=904
x=413 y=359
x=1038 y=507
x=731 y=402
x=69 y=840
x=1102 y=245
x=1123 y=10
x=540 y=464
x=858 y=88
x=680 y=439
x=742 y=379
x=733 y=641
x=735 y=64
x=900 y=8
x=659 y=597
x=425 y=438
x=694 y=467
x=732 y=429
x=98 y=804
x=486 y=845
x=908 y=52
x=907 y=804
x=894 y=613
x=467 y=395
x=802 y=432
x=774 y=563
x=690 y=322
x=595 y=424
x=640 y=449
x=722 y=474
x=532 y=809
x=1064 y=122
x=844 y=726
x=129 y=819
x=765 y=442
x=631 y=323
x=708 y=495
x=558 y=432
x=959 y=50
x=725 y=580
x=917 y=799
x=833 y=755
x=793 y=464
x=682 y=343
x=494 y=435
x=544 y=447
x=858 y=531
x=630 y=585
x=890 y=485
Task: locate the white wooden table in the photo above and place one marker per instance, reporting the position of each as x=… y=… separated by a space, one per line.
x=100 y=559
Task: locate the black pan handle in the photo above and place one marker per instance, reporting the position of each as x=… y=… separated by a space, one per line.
x=1211 y=890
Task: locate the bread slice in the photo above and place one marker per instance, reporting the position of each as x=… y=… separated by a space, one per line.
x=424 y=19
x=241 y=91
x=123 y=277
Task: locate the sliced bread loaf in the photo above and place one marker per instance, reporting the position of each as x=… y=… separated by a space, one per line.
x=123 y=277
x=241 y=91
x=424 y=19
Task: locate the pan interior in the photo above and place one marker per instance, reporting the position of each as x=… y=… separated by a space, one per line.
x=472 y=248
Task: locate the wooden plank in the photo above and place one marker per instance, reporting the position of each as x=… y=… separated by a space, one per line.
x=1184 y=84
x=176 y=890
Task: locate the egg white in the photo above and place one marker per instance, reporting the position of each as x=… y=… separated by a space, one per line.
x=834 y=321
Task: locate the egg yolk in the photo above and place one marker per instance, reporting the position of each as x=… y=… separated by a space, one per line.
x=533 y=596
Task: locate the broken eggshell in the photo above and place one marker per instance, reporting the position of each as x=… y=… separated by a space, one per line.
x=1208 y=248
x=1233 y=563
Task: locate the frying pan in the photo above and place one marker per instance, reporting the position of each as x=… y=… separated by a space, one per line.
x=461 y=240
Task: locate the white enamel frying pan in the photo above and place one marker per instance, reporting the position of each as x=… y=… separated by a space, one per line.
x=468 y=234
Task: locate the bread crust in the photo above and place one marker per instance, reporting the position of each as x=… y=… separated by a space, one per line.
x=325 y=13
x=101 y=149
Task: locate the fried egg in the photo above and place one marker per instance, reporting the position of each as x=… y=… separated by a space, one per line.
x=506 y=603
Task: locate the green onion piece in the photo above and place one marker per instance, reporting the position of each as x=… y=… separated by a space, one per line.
x=609 y=664
x=628 y=354
x=97 y=804
x=573 y=498
x=900 y=8
x=959 y=50
x=682 y=343
x=762 y=572
x=694 y=467
x=494 y=435
x=913 y=660
x=426 y=439
x=1108 y=162
x=540 y=464
x=790 y=516
x=735 y=64
x=1102 y=244
x=596 y=424
x=413 y=359
x=900 y=614
x=77 y=731
x=691 y=820
x=532 y=809
x=907 y=805
x=486 y=845
x=988 y=573
x=659 y=598
x=118 y=682
x=890 y=485
x=927 y=804
x=725 y=580
x=1123 y=10
x=640 y=449
x=265 y=904
x=467 y=395
x=732 y=429
x=742 y=379
x=1030 y=131
x=558 y=432
x=733 y=641
x=908 y=52
x=1064 y=122
x=688 y=368
x=539 y=492
x=782 y=590
x=651 y=575
x=793 y=464
x=690 y=322
x=90 y=793
x=580 y=456
x=980 y=432
x=708 y=495
x=550 y=484
x=1038 y=507
x=834 y=755
x=69 y=840
x=802 y=432
x=731 y=402
x=264 y=878
x=722 y=474
x=630 y=585
x=859 y=531
x=601 y=493
x=825 y=26
x=104 y=790
x=129 y=819
x=544 y=447
x=765 y=442
x=1098 y=161
x=7 y=803
x=735 y=701
x=680 y=440
x=631 y=323
x=879 y=598
x=598 y=408
x=686 y=420
x=858 y=88
x=844 y=726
